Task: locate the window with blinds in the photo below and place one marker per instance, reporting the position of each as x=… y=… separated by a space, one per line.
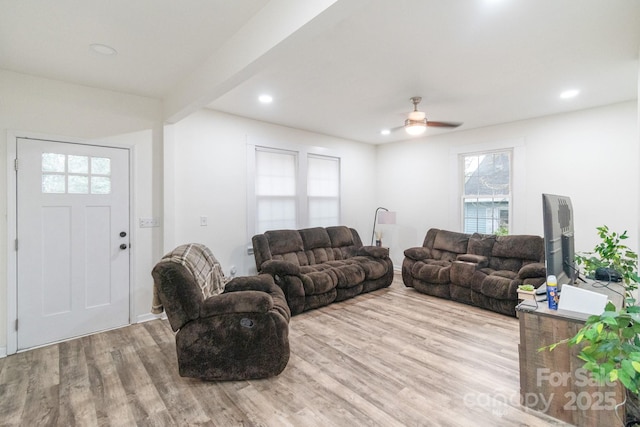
x=295 y=190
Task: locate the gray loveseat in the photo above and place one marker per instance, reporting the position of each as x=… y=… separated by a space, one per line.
x=318 y=266
x=476 y=269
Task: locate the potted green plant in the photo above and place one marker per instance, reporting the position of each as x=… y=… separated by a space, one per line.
x=612 y=253
x=611 y=341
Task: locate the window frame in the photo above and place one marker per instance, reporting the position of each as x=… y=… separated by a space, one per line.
x=464 y=197
x=518 y=219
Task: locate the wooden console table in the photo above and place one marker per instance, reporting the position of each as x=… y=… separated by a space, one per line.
x=554 y=382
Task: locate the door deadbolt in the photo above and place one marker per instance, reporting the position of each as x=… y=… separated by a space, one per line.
x=123 y=234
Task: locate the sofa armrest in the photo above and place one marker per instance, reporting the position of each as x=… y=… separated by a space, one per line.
x=479 y=260
x=532 y=270
x=418 y=254
x=274 y=267
x=374 y=251
x=237 y=302
x=261 y=282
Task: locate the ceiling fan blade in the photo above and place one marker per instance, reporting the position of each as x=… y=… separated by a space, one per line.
x=443 y=124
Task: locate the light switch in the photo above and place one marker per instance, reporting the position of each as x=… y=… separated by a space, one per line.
x=204 y=221
x=148 y=222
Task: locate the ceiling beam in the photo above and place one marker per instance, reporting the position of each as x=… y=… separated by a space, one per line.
x=258 y=42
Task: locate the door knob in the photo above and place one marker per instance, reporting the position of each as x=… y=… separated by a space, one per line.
x=123 y=234
x=123 y=246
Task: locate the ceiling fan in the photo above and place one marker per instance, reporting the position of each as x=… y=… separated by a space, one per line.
x=416 y=123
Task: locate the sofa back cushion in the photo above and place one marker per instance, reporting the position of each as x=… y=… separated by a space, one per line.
x=286 y=245
x=317 y=245
x=513 y=252
x=481 y=244
x=448 y=244
x=345 y=241
x=430 y=238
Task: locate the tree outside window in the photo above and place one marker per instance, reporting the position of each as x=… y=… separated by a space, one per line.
x=486 y=193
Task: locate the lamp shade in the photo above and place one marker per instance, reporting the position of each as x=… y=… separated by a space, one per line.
x=386 y=217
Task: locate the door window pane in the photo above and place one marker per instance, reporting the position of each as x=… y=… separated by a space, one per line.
x=52 y=162
x=78 y=184
x=101 y=166
x=100 y=185
x=78 y=164
x=53 y=183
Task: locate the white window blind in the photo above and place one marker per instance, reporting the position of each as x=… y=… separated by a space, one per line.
x=323 y=190
x=276 y=189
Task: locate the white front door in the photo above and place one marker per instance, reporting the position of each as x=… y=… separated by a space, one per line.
x=72 y=240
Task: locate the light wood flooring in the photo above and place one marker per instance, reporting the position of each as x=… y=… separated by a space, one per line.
x=393 y=357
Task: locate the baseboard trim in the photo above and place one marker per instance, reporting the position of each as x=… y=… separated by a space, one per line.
x=3 y=352
x=150 y=316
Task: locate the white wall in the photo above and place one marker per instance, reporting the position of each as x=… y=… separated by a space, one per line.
x=34 y=105
x=590 y=156
x=206 y=157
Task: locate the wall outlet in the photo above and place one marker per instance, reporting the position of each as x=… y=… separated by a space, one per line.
x=204 y=221
x=148 y=222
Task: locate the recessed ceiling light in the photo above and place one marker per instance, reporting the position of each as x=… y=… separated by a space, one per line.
x=385 y=132
x=103 y=49
x=265 y=99
x=572 y=93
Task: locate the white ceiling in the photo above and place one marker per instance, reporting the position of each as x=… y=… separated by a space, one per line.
x=338 y=67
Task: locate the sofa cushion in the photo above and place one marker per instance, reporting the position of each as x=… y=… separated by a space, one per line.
x=505 y=273
x=418 y=253
x=296 y=258
x=533 y=269
x=499 y=287
x=348 y=275
x=319 y=282
x=319 y=255
x=432 y=272
x=519 y=246
x=481 y=244
x=316 y=237
x=284 y=241
x=451 y=241
x=374 y=268
x=499 y=263
x=340 y=236
x=430 y=237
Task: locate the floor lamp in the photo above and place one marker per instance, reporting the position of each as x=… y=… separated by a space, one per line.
x=385 y=217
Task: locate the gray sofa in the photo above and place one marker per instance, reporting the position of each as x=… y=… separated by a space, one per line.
x=476 y=269
x=318 y=266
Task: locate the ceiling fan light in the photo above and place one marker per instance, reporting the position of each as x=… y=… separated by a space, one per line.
x=415 y=127
x=417 y=115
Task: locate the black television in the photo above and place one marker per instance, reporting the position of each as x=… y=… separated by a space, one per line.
x=559 y=250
